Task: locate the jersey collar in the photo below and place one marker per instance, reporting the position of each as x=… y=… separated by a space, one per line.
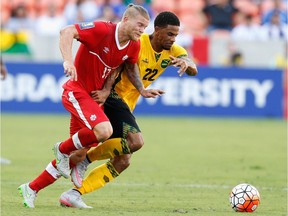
x=117 y=39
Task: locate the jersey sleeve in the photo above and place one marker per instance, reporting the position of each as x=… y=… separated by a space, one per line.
x=134 y=53
x=91 y=33
x=178 y=51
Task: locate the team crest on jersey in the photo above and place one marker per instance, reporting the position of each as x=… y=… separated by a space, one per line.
x=106 y=49
x=165 y=63
x=86 y=25
x=125 y=57
x=93 y=117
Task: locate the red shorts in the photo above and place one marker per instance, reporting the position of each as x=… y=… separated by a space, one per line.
x=85 y=112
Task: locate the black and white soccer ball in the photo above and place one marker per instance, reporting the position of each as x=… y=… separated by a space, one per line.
x=244 y=198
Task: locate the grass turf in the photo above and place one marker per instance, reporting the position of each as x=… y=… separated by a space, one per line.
x=188 y=166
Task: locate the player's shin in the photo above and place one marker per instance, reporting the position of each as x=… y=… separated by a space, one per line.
x=98 y=178
x=109 y=149
x=47 y=177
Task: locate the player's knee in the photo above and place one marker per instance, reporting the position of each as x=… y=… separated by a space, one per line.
x=103 y=131
x=135 y=141
x=121 y=163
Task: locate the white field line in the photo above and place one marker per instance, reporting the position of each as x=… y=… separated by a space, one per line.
x=205 y=186
x=134 y=184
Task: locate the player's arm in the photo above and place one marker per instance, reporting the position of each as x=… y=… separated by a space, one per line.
x=3 y=69
x=132 y=71
x=185 y=64
x=100 y=96
x=67 y=35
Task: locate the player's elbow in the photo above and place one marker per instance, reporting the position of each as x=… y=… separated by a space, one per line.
x=192 y=71
x=69 y=31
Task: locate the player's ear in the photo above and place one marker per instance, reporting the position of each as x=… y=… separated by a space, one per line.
x=157 y=29
x=124 y=19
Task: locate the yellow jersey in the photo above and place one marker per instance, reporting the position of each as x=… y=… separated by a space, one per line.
x=151 y=65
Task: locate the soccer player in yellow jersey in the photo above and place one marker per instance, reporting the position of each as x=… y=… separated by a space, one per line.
x=157 y=52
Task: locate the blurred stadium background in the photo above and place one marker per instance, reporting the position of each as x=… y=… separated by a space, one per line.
x=242 y=63
x=240 y=47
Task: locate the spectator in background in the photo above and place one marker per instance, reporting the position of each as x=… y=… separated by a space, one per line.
x=77 y=11
x=236 y=59
x=220 y=15
x=108 y=14
x=246 y=30
x=16 y=33
x=144 y=4
x=50 y=23
x=117 y=6
x=19 y=20
x=266 y=18
x=275 y=29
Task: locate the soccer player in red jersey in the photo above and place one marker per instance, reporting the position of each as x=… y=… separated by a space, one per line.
x=104 y=46
x=157 y=52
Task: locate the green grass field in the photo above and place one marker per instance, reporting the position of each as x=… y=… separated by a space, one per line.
x=187 y=167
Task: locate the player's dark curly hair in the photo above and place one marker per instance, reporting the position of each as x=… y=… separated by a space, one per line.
x=166 y=18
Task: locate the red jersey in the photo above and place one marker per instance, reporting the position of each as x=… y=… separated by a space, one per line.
x=99 y=54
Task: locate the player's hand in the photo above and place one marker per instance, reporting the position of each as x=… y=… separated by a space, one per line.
x=100 y=96
x=152 y=93
x=181 y=63
x=70 y=70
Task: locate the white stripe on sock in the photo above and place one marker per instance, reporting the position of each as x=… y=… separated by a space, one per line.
x=53 y=171
x=76 y=141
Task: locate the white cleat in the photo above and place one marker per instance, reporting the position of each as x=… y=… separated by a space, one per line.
x=28 y=195
x=72 y=198
x=78 y=172
x=62 y=161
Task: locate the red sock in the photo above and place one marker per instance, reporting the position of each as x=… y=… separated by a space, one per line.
x=43 y=180
x=82 y=138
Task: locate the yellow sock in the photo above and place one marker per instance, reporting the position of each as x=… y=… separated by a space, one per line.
x=109 y=149
x=98 y=178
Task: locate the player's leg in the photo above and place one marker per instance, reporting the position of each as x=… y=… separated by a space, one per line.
x=109 y=149
x=125 y=126
x=98 y=127
x=95 y=180
x=126 y=138
x=29 y=190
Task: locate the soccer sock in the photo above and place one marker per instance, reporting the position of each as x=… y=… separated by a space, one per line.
x=98 y=178
x=109 y=149
x=82 y=138
x=47 y=177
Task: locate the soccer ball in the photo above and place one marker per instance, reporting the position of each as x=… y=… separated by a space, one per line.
x=244 y=198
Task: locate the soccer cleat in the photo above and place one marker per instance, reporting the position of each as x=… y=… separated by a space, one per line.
x=28 y=195
x=62 y=161
x=77 y=172
x=72 y=198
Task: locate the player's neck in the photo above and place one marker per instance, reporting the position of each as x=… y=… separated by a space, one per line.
x=156 y=47
x=123 y=38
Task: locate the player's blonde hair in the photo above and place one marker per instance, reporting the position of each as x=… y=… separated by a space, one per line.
x=133 y=10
